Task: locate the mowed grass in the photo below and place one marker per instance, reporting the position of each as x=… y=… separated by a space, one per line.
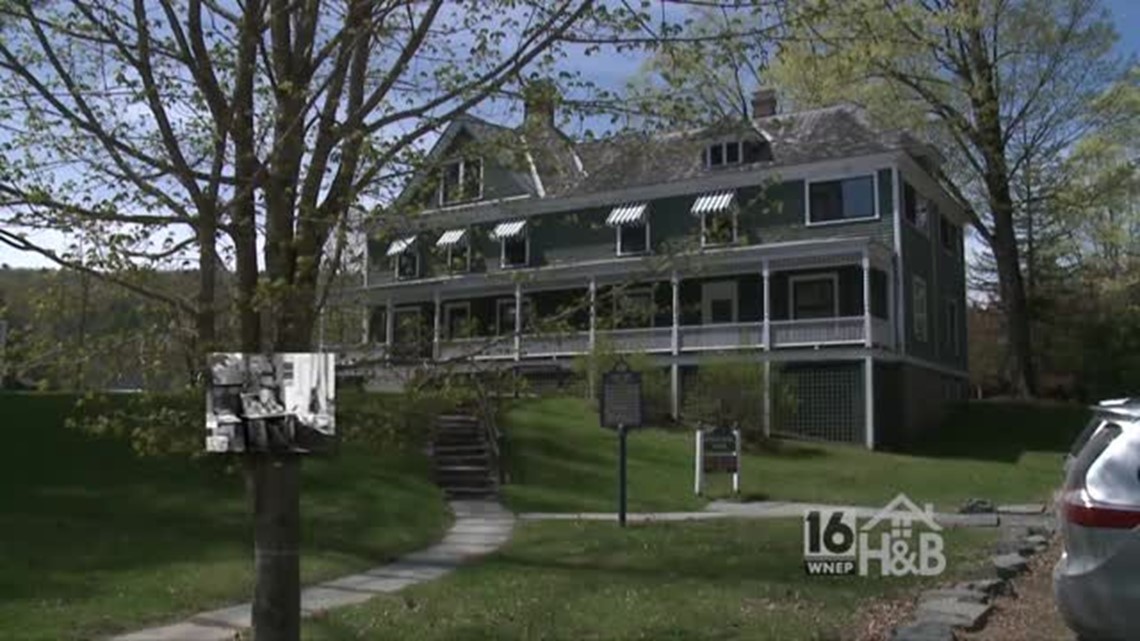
x=559 y=460
x=94 y=540
x=725 y=579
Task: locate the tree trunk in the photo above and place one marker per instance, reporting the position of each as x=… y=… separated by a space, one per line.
x=275 y=489
x=1012 y=287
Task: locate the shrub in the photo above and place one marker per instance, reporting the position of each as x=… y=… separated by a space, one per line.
x=731 y=393
x=589 y=368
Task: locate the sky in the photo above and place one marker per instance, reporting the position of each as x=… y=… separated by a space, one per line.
x=611 y=70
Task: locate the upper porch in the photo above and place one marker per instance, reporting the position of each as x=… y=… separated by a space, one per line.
x=836 y=292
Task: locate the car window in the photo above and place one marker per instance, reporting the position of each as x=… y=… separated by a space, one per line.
x=1085 y=435
x=1113 y=476
x=1101 y=439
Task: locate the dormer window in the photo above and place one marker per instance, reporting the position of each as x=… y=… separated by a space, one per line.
x=461 y=181
x=718 y=218
x=735 y=152
x=514 y=243
x=405 y=258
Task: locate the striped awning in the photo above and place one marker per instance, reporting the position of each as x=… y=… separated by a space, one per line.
x=627 y=214
x=714 y=202
x=400 y=245
x=509 y=229
x=450 y=238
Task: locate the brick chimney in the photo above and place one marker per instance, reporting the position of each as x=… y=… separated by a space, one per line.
x=540 y=101
x=764 y=102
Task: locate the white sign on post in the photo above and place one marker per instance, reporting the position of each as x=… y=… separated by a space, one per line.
x=716 y=450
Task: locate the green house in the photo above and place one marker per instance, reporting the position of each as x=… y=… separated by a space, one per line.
x=811 y=242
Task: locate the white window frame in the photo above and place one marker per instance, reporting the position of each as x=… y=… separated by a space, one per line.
x=724 y=144
x=638 y=289
x=503 y=250
x=795 y=279
x=648 y=247
x=449 y=307
x=462 y=162
x=734 y=210
x=920 y=313
x=410 y=251
x=873 y=175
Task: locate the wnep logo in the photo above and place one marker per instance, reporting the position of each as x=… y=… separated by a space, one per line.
x=911 y=545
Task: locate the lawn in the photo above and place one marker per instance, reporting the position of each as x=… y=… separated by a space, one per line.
x=559 y=460
x=725 y=579
x=94 y=540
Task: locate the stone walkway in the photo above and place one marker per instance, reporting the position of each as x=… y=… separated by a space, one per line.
x=480 y=527
x=788 y=509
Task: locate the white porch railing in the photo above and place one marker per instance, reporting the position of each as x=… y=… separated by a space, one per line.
x=818 y=331
x=641 y=339
x=722 y=336
x=482 y=347
x=556 y=344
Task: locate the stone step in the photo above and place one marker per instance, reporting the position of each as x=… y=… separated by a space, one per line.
x=452 y=460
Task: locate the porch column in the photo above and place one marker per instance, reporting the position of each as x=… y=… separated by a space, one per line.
x=767 y=398
x=518 y=320
x=321 y=330
x=435 y=328
x=674 y=367
x=866 y=299
x=869 y=401
x=892 y=316
x=389 y=326
x=766 y=331
x=593 y=313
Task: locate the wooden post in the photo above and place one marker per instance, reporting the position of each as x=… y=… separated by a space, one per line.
x=767 y=331
x=275 y=489
x=867 y=338
x=869 y=401
x=518 y=321
x=675 y=368
x=698 y=469
x=435 y=328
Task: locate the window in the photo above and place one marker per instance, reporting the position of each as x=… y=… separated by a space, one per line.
x=378 y=325
x=815 y=296
x=457 y=320
x=505 y=316
x=835 y=201
x=915 y=209
x=918 y=293
x=516 y=251
x=951 y=326
x=718 y=228
x=632 y=238
x=735 y=152
x=634 y=308
x=948 y=232
x=461 y=180
x=407 y=264
x=719 y=302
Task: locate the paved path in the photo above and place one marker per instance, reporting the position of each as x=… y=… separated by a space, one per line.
x=781 y=510
x=480 y=527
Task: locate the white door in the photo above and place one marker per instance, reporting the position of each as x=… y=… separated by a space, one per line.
x=719 y=303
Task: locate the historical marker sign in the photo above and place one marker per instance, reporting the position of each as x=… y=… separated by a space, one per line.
x=720 y=451
x=621 y=403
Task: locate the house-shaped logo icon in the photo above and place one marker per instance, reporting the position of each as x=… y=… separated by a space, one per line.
x=900 y=551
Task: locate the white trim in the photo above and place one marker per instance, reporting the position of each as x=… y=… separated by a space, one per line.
x=707 y=298
x=874 y=176
x=928 y=186
x=539 y=189
x=898 y=269
x=869 y=402
x=648 y=247
x=447 y=309
x=794 y=279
